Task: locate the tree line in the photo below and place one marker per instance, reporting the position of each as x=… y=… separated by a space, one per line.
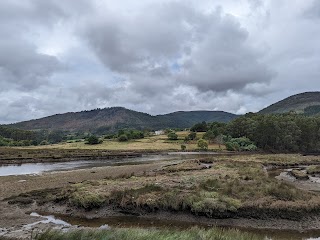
x=17 y=137
x=288 y=132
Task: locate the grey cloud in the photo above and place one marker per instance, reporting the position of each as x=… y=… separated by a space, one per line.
x=211 y=48
x=157 y=34
x=154 y=56
x=23 y=67
x=39 y=12
x=313 y=11
x=255 y=4
x=224 y=59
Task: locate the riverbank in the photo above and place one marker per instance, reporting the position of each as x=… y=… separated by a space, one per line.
x=233 y=191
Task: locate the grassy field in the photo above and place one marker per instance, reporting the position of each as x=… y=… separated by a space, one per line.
x=155 y=143
x=146 y=234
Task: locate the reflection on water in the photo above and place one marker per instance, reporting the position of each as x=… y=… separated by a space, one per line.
x=37 y=168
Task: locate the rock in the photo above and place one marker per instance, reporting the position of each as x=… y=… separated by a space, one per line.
x=105 y=226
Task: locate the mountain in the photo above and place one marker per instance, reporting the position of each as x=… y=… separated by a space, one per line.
x=112 y=119
x=307 y=103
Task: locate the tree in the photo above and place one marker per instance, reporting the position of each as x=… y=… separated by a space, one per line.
x=55 y=136
x=199 y=127
x=92 y=140
x=202 y=144
x=192 y=135
x=240 y=144
x=172 y=136
x=123 y=138
x=210 y=135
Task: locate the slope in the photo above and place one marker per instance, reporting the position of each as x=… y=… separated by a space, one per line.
x=305 y=103
x=111 y=119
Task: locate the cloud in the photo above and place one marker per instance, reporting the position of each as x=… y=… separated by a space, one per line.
x=313 y=11
x=154 y=56
x=176 y=44
x=23 y=68
x=223 y=60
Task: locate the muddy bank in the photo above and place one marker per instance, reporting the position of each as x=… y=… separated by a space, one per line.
x=43 y=156
x=76 y=216
x=29 y=155
x=66 y=219
x=14 y=185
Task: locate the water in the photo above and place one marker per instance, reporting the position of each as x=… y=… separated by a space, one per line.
x=38 y=168
x=133 y=221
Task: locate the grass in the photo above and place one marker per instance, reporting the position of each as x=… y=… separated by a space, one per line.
x=313 y=169
x=146 y=234
x=153 y=143
x=228 y=189
x=298 y=174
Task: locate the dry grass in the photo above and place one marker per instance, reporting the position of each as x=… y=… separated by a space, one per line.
x=155 y=143
x=145 y=234
x=228 y=189
x=313 y=169
x=301 y=175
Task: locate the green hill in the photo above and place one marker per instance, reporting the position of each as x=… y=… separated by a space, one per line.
x=112 y=119
x=307 y=103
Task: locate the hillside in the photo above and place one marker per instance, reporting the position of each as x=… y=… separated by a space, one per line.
x=307 y=103
x=111 y=119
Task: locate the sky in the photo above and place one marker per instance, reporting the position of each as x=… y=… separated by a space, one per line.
x=155 y=56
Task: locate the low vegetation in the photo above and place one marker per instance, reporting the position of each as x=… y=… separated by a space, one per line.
x=92 y=140
x=228 y=189
x=146 y=234
x=154 y=143
x=299 y=174
x=313 y=170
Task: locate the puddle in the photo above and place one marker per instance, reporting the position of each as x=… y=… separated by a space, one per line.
x=47 y=220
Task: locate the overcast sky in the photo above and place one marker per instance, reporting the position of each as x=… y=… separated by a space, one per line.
x=155 y=56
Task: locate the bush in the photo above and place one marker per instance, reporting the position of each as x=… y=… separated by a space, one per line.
x=44 y=142
x=199 y=127
x=183 y=147
x=192 y=135
x=202 y=144
x=240 y=144
x=123 y=138
x=172 y=136
x=92 y=140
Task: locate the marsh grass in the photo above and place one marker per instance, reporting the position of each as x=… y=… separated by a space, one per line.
x=228 y=189
x=313 y=169
x=298 y=174
x=146 y=234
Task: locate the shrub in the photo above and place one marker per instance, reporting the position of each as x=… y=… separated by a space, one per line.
x=44 y=142
x=123 y=138
x=172 y=136
x=240 y=144
x=192 y=135
x=202 y=144
x=93 y=140
x=183 y=147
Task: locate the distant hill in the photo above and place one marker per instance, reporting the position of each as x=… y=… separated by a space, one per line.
x=112 y=119
x=307 y=103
